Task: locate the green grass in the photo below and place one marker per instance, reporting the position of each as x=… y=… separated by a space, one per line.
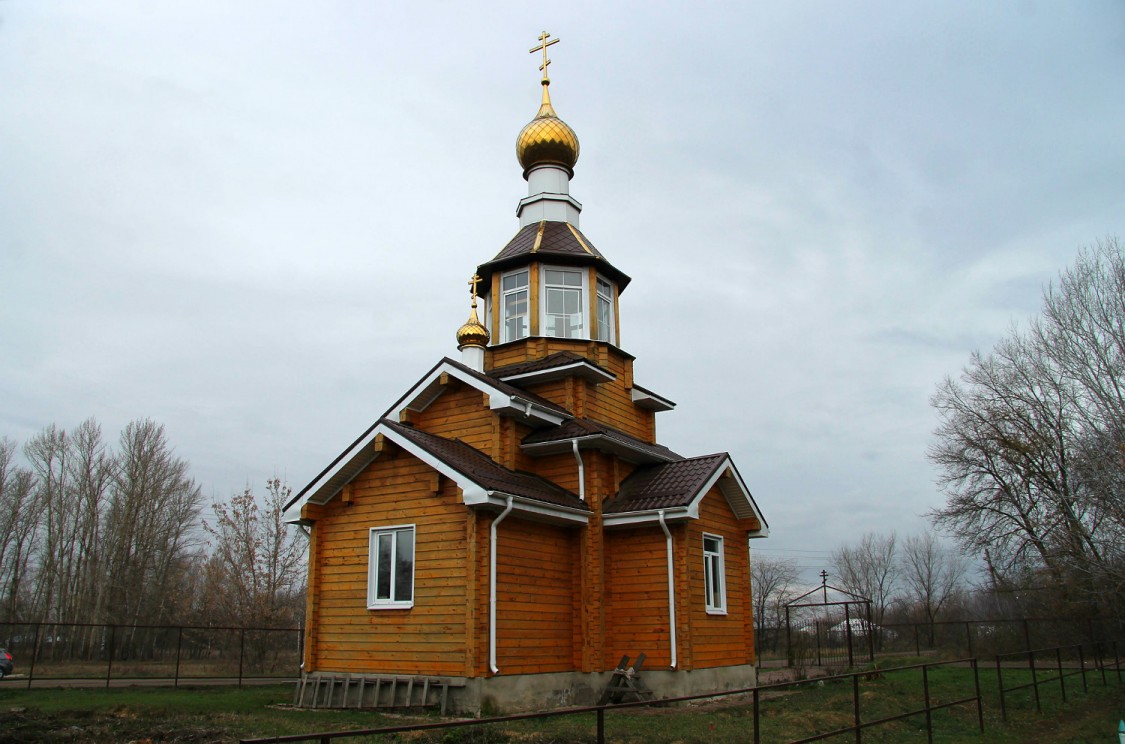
x=225 y=714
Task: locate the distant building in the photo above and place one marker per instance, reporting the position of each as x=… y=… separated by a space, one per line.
x=511 y=526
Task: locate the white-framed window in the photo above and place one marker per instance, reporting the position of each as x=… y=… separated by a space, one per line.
x=390 y=568
x=714 y=579
x=606 y=326
x=513 y=306
x=562 y=303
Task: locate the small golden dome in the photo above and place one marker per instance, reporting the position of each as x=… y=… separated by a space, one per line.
x=547 y=139
x=473 y=333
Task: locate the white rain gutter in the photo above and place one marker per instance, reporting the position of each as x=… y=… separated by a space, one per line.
x=671 y=588
x=581 y=471
x=492 y=588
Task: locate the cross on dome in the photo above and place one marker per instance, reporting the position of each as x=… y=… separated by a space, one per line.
x=543 y=44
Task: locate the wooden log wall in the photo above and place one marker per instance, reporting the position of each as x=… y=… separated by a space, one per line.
x=396 y=489
x=720 y=640
x=535 y=597
x=637 y=596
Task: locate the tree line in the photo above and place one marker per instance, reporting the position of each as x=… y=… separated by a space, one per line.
x=1030 y=454
x=96 y=533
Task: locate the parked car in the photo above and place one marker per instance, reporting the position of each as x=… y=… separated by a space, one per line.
x=6 y=663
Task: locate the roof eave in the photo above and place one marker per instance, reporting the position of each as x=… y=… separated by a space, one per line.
x=649 y=516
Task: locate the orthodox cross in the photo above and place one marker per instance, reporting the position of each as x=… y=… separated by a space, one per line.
x=473 y=283
x=543 y=44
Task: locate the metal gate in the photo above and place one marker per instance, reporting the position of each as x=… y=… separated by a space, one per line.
x=829 y=626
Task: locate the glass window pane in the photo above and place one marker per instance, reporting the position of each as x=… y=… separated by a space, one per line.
x=383 y=567
x=404 y=566
x=512 y=281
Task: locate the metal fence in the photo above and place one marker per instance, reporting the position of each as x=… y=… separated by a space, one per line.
x=82 y=651
x=856 y=727
x=943 y=639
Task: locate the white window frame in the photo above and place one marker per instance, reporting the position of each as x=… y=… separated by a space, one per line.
x=583 y=302
x=502 y=299
x=714 y=567
x=609 y=331
x=374 y=603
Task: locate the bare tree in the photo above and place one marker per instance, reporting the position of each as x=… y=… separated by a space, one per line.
x=49 y=452
x=152 y=512
x=771 y=581
x=258 y=564
x=931 y=573
x=870 y=569
x=19 y=528
x=1031 y=443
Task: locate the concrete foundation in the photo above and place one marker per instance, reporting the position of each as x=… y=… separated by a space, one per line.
x=502 y=694
x=528 y=692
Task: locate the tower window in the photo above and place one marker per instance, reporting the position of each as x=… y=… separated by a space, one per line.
x=563 y=310
x=606 y=329
x=513 y=306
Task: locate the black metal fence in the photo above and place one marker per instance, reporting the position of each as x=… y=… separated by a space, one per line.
x=81 y=651
x=943 y=639
x=855 y=680
x=1049 y=665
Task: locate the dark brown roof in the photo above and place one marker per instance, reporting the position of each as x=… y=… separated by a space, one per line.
x=664 y=486
x=485 y=471
x=558 y=359
x=505 y=388
x=559 y=242
x=576 y=428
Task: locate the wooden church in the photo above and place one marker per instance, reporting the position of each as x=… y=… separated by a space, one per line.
x=511 y=528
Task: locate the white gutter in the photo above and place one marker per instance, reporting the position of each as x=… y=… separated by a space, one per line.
x=492 y=588
x=671 y=589
x=581 y=471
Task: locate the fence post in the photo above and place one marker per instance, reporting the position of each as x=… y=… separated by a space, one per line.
x=757 y=714
x=788 y=639
x=980 y=703
x=917 y=646
x=241 y=652
x=179 y=646
x=855 y=707
x=35 y=653
x=848 y=630
x=926 y=695
x=1117 y=661
x=601 y=725
x=1034 y=679
x=969 y=637
x=1026 y=636
x=1000 y=681
x=1062 y=680
x=1082 y=666
x=1099 y=654
x=818 y=643
x=112 y=644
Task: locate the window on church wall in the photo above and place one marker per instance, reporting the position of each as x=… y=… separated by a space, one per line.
x=563 y=316
x=606 y=325
x=513 y=306
x=714 y=579
x=390 y=569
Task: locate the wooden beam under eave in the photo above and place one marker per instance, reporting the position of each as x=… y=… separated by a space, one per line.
x=312 y=512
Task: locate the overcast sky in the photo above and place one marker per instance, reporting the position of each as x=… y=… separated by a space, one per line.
x=253 y=221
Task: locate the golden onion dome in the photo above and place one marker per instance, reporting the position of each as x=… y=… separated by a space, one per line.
x=473 y=332
x=547 y=139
